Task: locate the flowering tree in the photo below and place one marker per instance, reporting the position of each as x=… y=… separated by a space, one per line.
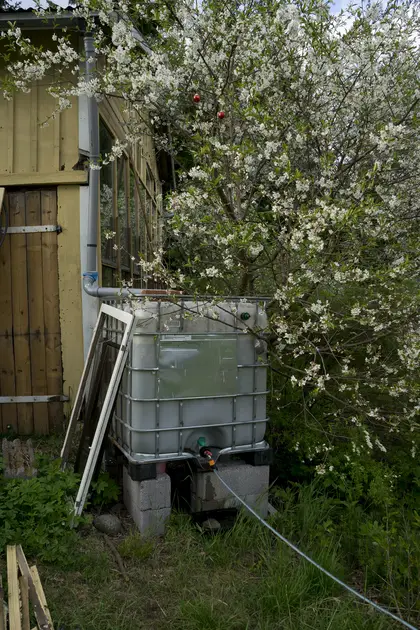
x=295 y=137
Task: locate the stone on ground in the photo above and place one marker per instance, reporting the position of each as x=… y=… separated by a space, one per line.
x=211 y=525
x=108 y=524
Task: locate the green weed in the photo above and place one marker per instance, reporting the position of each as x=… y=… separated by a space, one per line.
x=135 y=546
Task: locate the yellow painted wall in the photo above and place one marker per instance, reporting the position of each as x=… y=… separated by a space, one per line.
x=69 y=275
x=31 y=147
x=33 y=143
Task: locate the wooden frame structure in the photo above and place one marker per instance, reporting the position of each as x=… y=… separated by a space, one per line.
x=51 y=159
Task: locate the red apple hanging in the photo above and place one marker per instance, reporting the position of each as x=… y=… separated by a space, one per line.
x=196 y=98
x=221 y=115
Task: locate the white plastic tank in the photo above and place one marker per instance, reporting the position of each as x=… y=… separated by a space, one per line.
x=195 y=370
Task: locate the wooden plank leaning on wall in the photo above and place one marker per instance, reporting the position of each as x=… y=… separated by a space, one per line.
x=53 y=363
x=22 y=355
x=8 y=415
x=36 y=293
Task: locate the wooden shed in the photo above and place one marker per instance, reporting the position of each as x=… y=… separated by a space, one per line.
x=45 y=317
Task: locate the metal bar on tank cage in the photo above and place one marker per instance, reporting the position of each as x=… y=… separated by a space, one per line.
x=199 y=377
x=233 y=421
x=157 y=411
x=181 y=424
x=207 y=397
x=181 y=315
x=192 y=426
x=254 y=383
x=131 y=393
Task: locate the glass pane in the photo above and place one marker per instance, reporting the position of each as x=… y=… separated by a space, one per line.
x=135 y=245
x=108 y=276
x=197 y=365
x=122 y=213
x=126 y=276
x=150 y=180
x=106 y=196
x=142 y=227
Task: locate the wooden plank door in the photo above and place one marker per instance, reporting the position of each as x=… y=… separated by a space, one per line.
x=30 y=340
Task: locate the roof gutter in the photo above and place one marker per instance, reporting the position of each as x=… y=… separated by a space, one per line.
x=28 y=20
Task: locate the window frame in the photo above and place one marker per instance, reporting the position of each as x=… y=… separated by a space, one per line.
x=135 y=182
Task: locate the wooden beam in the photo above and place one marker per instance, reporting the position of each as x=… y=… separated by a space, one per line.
x=11 y=133
x=13 y=588
x=2 y=619
x=36 y=297
x=2 y=191
x=60 y=178
x=41 y=595
x=24 y=595
x=53 y=362
x=20 y=312
x=40 y=613
x=7 y=372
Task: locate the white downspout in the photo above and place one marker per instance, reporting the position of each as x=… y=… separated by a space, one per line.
x=93 y=208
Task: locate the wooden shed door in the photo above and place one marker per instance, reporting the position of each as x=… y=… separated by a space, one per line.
x=30 y=340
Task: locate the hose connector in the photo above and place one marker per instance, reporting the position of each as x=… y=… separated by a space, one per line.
x=206 y=453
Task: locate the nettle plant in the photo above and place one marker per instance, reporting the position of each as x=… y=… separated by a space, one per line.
x=295 y=136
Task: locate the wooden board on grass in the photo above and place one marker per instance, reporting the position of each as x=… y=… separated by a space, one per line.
x=13 y=588
x=40 y=592
x=24 y=597
x=2 y=620
x=38 y=606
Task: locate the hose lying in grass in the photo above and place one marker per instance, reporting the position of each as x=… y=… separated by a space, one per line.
x=315 y=564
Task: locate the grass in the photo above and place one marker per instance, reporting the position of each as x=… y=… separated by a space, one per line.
x=242 y=579
x=239 y=579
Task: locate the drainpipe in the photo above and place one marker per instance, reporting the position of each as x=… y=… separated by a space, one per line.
x=90 y=285
x=90 y=276
x=91 y=288
x=93 y=210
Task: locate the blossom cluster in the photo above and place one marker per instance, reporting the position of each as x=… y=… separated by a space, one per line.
x=306 y=189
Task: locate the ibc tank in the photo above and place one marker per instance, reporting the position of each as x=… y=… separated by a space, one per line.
x=194 y=371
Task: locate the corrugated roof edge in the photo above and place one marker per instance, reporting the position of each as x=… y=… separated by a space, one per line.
x=27 y=19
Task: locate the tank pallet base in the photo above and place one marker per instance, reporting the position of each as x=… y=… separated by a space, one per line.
x=142 y=470
x=259 y=458
x=151 y=488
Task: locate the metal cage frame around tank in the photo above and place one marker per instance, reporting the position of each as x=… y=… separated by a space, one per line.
x=127 y=449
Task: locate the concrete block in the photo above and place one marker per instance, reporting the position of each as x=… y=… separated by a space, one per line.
x=151 y=494
x=151 y=522
x=148 y=502
x=243 y=478
x=249 y=482
x=258 y=502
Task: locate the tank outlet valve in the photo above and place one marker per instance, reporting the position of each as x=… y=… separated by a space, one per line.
x=201 y=442
x=208 y=455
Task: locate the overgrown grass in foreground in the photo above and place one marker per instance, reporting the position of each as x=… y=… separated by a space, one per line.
x=243 y=579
